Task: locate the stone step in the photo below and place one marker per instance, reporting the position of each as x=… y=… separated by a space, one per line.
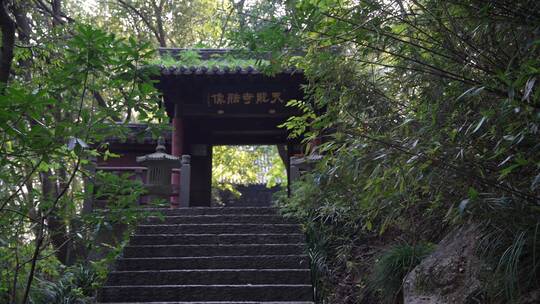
x=214 y=210
x=215 y=262
x=212 y=250
x=231 y=255
x=218 y=218
x=210 y=277
x=217 y=302
x=218 y=228
x=187 y=239
x=206 y=293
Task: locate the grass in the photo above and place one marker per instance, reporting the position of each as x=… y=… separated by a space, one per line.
x=513 y=252
x=392 y=267
x=192 y=58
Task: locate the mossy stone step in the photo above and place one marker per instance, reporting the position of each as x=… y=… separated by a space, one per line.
x=215 y=262
x=218 y=228
x=206 y=293
x=211 y=250
x=210 y=276
x=219 y=218
x=213 y=210
x=227 y=238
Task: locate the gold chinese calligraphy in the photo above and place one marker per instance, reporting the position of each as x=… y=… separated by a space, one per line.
x=246 y=98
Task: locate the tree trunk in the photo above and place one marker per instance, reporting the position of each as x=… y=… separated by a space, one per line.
x=23 y=33
x=57 y=224
x=8 y=42
x=240 y=11
x=54 y=222
x=57 y=12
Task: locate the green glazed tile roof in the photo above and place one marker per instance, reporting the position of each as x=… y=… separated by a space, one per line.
x=174 y=61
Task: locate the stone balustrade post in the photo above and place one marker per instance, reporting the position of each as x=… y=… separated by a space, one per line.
x=294 y=169
x=185 y=180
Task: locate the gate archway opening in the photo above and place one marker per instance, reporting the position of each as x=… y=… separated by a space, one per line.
x=247 y=175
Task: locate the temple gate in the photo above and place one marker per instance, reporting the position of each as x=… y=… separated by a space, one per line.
x=217 y=105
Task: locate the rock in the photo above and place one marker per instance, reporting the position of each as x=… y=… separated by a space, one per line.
x=450 y=274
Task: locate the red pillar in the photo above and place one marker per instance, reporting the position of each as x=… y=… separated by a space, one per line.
x=177 y=136
x=177 y=147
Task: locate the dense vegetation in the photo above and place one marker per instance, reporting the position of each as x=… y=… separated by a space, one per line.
x=428 y=113
x=431 y=116
x=51 y=127
x=65 y=87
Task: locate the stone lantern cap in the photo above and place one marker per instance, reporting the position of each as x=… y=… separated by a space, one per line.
x=159 y=158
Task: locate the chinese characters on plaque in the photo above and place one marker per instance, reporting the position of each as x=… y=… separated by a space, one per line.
x=245 y=98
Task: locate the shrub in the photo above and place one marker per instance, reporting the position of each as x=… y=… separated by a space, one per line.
x=77 y=285
x=392 y=267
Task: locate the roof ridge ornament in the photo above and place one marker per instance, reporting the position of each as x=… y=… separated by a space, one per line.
x=160 y=148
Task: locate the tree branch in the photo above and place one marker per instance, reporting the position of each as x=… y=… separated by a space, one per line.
x=158 y=11
x=145 y=20
x=56 y=16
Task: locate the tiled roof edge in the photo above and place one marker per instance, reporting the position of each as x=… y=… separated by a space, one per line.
x=202 y=70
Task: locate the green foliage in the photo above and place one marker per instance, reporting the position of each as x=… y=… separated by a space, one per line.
x=331 y=225
x=277 y=174
x=119 y=190
x=52 y=124
x=13 y=269
x=190 y=58
x=173 y=23
x=298 y=125
x=392 y=267
x=429 y=116
x=77 y=285
x=242 y=165
x=512 y=251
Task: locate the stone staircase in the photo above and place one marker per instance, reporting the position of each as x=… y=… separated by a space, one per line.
x=231 y=255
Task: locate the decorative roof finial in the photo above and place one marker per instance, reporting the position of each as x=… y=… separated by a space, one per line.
x=161 y=145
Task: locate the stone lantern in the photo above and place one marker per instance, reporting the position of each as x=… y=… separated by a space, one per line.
x=160 y=167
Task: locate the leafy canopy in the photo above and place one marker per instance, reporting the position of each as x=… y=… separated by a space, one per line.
x=430 y=119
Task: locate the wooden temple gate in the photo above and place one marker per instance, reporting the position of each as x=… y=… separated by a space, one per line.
x=207 y=106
